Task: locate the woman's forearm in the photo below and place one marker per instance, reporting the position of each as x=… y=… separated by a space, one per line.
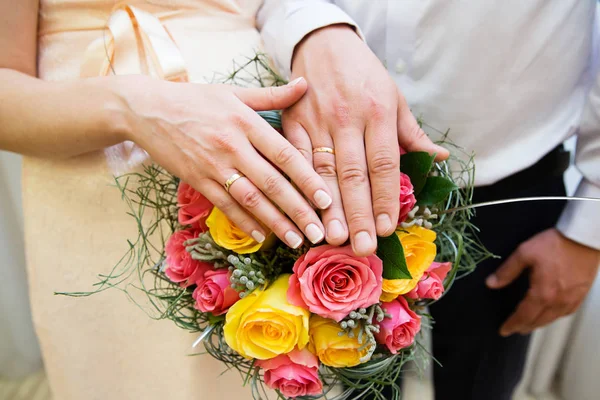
x=52 y=119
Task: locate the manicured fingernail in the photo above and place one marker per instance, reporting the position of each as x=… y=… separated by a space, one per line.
x=258 y=236
x=314 y=233
x=384 y=224
x=335 y=230
x=492 y=281
x=363 y=243
x=322 y=199
x=295 y=81
x=293 y=239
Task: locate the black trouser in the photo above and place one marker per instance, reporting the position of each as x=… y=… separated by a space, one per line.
x=477 y=363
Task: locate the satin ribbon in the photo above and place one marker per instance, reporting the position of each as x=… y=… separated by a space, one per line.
x=136 y=42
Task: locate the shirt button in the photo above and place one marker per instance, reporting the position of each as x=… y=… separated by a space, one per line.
x=400 y=66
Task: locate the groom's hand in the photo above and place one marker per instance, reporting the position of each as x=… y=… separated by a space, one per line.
x=561 y=274
x=354 y=107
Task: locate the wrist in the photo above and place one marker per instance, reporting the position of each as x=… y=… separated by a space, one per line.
x=324 y=40
x=116 y=116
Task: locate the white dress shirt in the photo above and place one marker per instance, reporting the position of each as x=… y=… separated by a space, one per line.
x=510 y=79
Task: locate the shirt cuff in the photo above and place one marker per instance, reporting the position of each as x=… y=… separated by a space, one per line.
x=580 y=221
x=299 y=21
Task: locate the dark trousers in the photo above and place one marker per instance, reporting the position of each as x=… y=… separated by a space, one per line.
x=477 y=363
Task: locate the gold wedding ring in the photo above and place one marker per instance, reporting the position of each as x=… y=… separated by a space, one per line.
x=232 y=179
x=323 y=150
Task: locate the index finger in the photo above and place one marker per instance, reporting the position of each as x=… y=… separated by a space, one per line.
x=289 y=160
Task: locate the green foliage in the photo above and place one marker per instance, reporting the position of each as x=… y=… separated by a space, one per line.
x=436 y=190
x=417 y=165
x=390 y=250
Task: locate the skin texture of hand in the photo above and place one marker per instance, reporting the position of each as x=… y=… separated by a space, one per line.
x=561 y=274
x=201 y=133
x=353 y=106
x=206 y=133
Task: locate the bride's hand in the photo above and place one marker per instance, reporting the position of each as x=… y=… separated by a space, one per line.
x=205 y=134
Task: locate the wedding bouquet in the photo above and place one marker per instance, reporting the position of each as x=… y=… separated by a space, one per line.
x=315 y=322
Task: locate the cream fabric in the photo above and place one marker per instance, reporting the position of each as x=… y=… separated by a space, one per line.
x=103 y=347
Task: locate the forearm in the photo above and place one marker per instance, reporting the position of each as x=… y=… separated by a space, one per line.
x=60 y=119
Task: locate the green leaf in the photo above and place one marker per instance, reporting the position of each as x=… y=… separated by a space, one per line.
x=436 y=190
x=417 y=166
x=390 y=250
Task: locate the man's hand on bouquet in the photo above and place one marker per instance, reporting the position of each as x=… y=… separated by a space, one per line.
x=354 y=108
x=561 y=274
x=206 y=134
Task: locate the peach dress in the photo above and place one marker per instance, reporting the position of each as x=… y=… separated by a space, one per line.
x=103 y=347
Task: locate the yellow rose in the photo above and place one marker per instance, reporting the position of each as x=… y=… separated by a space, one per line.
x=420 y=252
x=332 y=349
x=264 y=325
x=229 y=236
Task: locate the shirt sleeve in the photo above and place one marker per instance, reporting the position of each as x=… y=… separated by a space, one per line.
x=284 y=23
x=580 y=220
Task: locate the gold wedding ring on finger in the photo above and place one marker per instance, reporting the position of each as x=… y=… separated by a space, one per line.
x=232 y=179
x=323 y=150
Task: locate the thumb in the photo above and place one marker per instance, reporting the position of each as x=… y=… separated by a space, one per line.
x=508 y=272
x=272 y=98
x=410 y=135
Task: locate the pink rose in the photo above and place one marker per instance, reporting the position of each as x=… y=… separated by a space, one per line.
x=194 y=208
x=399 y=331
x=431 y=285
x=331 y=281
x=214 y=293
x=181 y=267
x=407 y=197
x=294 y=374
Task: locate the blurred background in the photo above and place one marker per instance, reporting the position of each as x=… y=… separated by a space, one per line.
x=563 y=361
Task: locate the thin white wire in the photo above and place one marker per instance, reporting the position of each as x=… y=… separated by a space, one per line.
x=518 y=200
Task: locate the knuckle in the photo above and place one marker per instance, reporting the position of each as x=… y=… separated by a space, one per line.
x=275 y=92
x=273 y=185
x=240 y=121
x=416 y=135
x=244 y=223
x=225 y=143
x=306 y=181
x=357 y=220
x=224 y=204
x=190 y=171
x=341 y=114
x=305 y=153
x=326 y=169
x=251 y=199
x=377 y=109
x=353 y=175
x=300 y=214
x=279 y=226
x=384 y=164
x=383 y=200
x=546 y=296
x=285 y=156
